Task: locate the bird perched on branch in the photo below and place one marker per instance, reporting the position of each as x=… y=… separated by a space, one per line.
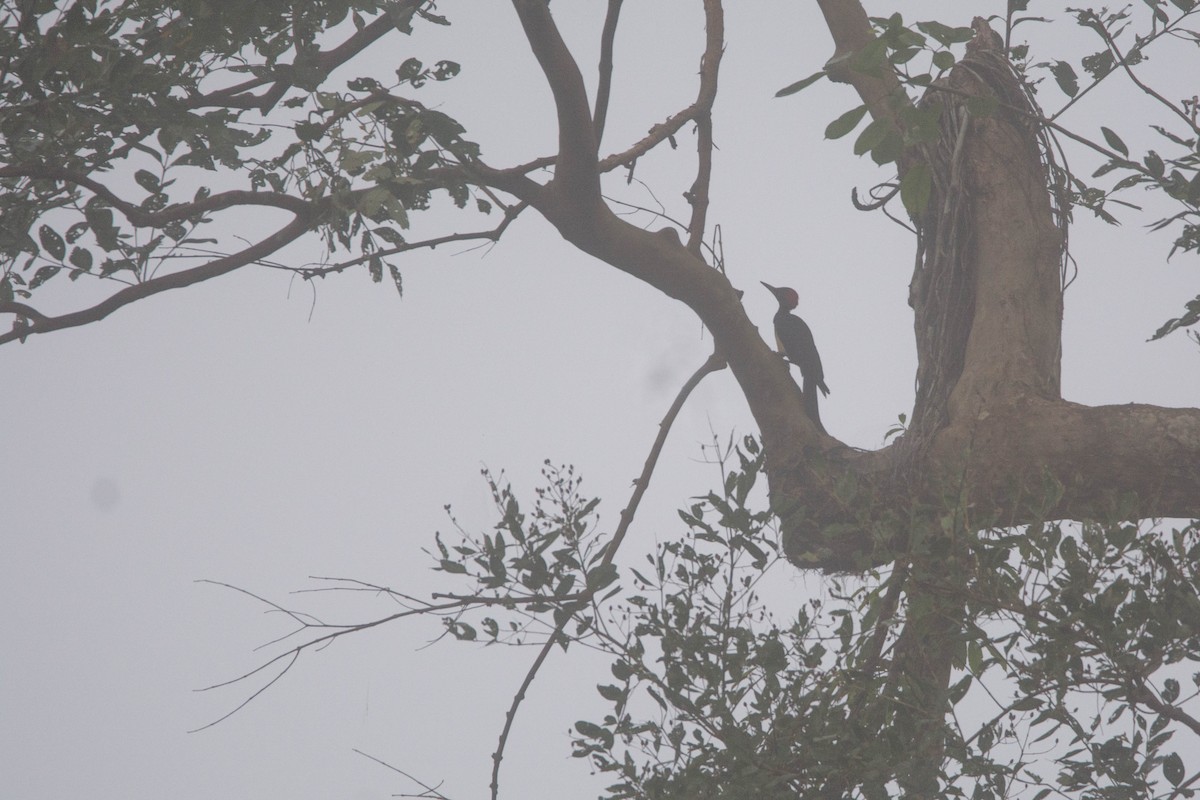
x=796 y=343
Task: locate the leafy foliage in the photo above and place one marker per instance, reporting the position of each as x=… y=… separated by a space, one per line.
x=1076 y=646
x=119 y=115
x=919 y=53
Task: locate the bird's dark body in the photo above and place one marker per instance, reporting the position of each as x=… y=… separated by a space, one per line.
x=795 y=341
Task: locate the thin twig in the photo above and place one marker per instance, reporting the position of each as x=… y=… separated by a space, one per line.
x=604 y=82
x=335 y=631
x=430 y=791
x=491 y=235
x=1124 y=62
x=710 y=64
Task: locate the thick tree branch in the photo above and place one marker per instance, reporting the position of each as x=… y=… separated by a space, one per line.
x=572 y=204
x=576 y=179
x=1063 y=460
x=851 y=31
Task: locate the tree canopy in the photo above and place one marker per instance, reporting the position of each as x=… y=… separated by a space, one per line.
x=1003 y=544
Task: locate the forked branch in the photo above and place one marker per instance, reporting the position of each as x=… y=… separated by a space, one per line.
x=576 y=179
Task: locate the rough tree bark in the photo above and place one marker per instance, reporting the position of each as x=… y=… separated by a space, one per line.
x=992 y=440
x=994 y=421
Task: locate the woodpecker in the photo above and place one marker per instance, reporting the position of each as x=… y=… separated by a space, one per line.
x=796 y=343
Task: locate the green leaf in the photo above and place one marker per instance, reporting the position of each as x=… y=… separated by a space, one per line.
x=396 y=278
x=147 y=180
x=1098 y=64
x=589 y=729
x=42 y=275
x=1172 y=767
x=410 y=69
x=53 y=243
x=614 y=694
x=601 y=576
x=452 y=566
x=915 y=189
x=1156 y=7
x=888 y=150
x=1114 y=141
x=1027 y=704
x=1065 y=75
x=445 y=70
x=792 y=88
x=871 y=136
x=943 y=59
x=81 y=258
x=945 y=34
x=1154 y=163
x=845 y=123
x=101 y=222
x=974 y=657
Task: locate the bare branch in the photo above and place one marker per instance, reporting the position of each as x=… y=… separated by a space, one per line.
x=604 y=84
x=715 y=362
x=710 y=64
x=330 y=631
x=430 y=791
x=1124 y=62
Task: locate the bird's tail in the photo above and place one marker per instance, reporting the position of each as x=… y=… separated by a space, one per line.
x=810 y=404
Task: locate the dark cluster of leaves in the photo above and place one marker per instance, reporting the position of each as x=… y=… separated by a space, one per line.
x=1177 y=173
x=1070 y=664
x=537 y=566
x=917 y=54
x=149 y=92
x=381 y=156
x=1093 y=629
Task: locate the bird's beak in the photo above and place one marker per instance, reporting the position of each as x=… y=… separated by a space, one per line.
x=769 y=286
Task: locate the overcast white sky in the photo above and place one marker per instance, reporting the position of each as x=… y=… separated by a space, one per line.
x=237 y=432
